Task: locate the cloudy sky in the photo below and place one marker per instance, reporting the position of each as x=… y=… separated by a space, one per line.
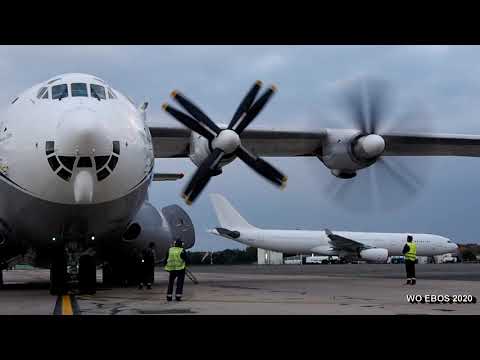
x=444 y=81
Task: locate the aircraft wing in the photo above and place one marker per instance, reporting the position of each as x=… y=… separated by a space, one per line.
x=398 y=144
x=171 y=142
x=344 y=244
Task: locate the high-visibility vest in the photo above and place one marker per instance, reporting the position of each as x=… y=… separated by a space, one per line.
x=412 y=253
x=174 y=261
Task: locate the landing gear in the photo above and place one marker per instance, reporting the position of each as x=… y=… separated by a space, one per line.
x=58 y=272
x=107 y=275
x=87 y=275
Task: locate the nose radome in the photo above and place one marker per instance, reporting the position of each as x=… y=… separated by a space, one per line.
x=83 y=131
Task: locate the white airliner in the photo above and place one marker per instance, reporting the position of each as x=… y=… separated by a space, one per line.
x=77 y=159
x=375 y=247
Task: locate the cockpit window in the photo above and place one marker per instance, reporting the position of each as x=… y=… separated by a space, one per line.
x=59 y=91
x=45 y=96
x=97 y=92
x=79 y=89
x=41 y=92
x=111 y=95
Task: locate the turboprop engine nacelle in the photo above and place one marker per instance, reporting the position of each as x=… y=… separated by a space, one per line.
x=376 y=255
x=160 y=227
x=200 y=148
x=346 y=151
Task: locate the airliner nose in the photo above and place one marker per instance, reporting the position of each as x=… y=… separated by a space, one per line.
x=82 y=131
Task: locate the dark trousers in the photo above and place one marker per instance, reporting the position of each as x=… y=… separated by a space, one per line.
x=180 y=276
x=146 y=274
x=410 y=267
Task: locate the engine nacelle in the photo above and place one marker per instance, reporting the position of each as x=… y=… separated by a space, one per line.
x=346 y=151
x=376 y=255
x=162 y=228
x=200 y=148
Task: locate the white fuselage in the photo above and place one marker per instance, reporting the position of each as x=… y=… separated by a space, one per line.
x=305 y=242
x=80 y=126
x=77 y=163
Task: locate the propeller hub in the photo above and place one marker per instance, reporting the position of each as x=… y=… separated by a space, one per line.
x=228 y=141
x=370 y=146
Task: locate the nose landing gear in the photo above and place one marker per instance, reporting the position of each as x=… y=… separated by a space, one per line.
x=63 y=272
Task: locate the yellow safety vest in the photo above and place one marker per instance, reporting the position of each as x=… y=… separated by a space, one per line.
x=412 y=253
x=174 y=261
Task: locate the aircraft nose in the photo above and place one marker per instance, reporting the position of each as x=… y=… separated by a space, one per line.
x=82 y=131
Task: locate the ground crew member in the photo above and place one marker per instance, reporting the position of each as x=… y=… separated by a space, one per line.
x=410 y=253
x=147 y=267
x=175 y=265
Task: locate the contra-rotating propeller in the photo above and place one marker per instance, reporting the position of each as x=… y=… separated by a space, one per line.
x=368 y=106
x=224 y=143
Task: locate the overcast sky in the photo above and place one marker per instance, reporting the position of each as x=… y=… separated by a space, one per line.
x=442 y=80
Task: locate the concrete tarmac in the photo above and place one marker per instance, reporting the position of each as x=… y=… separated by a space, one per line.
x=361 y=289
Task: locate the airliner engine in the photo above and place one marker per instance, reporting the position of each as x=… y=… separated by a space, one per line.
x=376 y=255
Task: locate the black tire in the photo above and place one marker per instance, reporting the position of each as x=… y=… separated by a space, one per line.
x=58 y=273
x=87 y=275
x=107 y=275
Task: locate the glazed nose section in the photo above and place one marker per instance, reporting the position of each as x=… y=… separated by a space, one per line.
x=83 y=131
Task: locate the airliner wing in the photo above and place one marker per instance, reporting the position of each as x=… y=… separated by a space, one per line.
x=343 y=243
x=171 y=142
x=398 y=144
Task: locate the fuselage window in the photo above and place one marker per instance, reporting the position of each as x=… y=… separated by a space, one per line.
x=97 y=91
x=14 y=100
x=111 y=95
x=59 y=91
x=79 y=89
x=41 y=92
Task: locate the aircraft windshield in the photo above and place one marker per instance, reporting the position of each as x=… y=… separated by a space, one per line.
x=59 y=91
x=97 y=92
x=79 y=89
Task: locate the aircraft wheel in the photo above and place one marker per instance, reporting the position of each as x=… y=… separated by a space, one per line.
x=58 y=273
x=87 y=274
x=107 y=275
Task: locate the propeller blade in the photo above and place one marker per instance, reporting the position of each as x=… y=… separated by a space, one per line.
x=353 y=101
x=255 y=109
x=378 y=103
x=195 y=111
x=246 y=103
x=189 y=122
x=262 y=167
x=202 y=176
x=400 y=175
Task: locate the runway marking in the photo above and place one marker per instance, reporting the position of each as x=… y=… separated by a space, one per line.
x=66 y=305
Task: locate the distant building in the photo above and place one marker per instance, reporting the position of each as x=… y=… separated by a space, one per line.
x=268 y=257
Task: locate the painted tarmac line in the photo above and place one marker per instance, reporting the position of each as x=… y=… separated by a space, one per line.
x=66 y=305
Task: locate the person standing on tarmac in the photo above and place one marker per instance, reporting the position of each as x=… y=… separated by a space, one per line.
x=410 y=253
x=148 y=267
x=176 y=265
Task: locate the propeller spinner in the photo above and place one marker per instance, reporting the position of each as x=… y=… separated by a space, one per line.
x=224 y=142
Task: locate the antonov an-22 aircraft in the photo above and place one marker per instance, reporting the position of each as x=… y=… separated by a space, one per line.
x=376 y=247
x=77 y=158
